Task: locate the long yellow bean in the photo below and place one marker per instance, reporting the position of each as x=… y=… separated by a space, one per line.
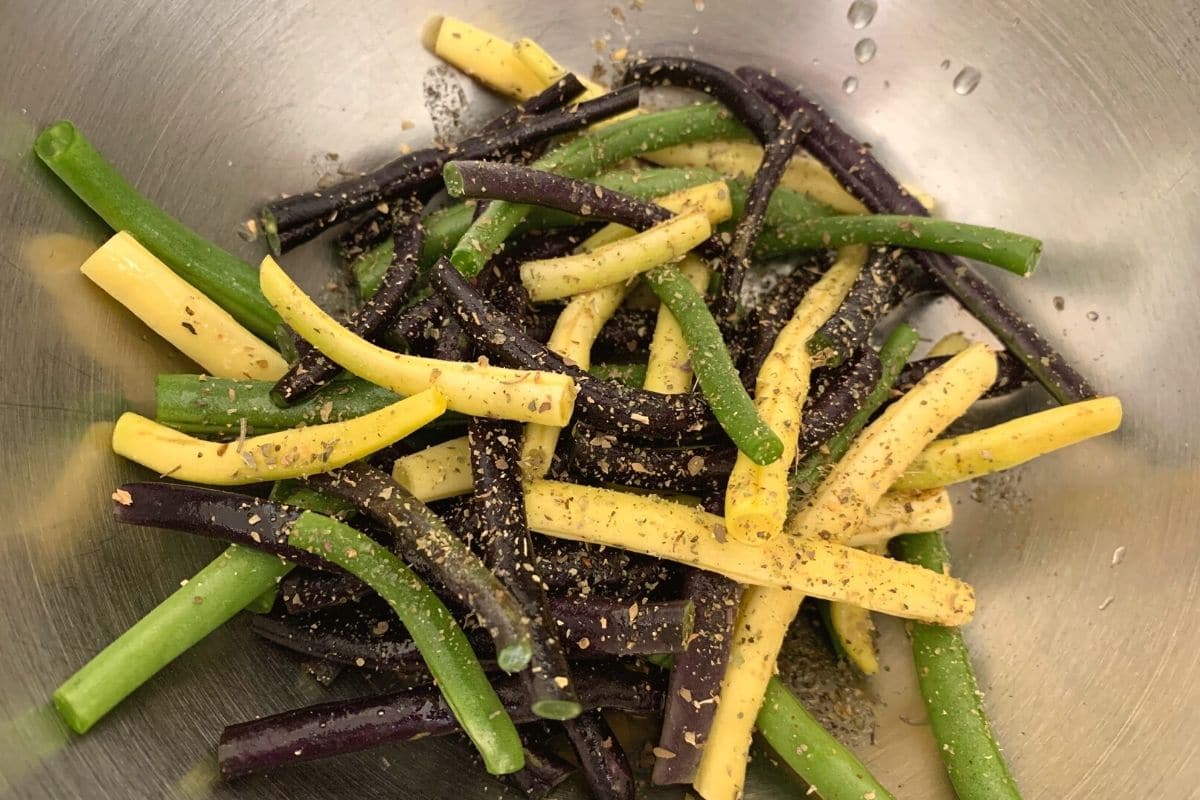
x=549 y=71
x=471 y=388
x=293 y=453
x=552 y=278
x=651 y=525
x=756 y=500
x=881 y=454
x=1009 y=444
x=574 y=332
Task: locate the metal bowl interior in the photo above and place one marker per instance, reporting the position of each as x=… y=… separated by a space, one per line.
x=1082 y=131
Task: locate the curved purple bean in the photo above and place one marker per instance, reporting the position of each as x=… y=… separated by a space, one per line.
x=741 y=100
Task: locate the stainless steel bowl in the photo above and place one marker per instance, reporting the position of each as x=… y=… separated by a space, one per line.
x=1082 y=131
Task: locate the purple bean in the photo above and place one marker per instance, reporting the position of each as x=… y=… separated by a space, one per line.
x=303 y=591
x=341 y=726
x=569 y=568
x=368 y=231
x=596 y=626
x=606 y=458
x=735 y=262
x=772 y=313
x=695 y=679
x=601 y=757
x=238 y=518
x=880 y=287
x=354 y=636
x=836 y=395
x=374 y=225
x=518 y=184
x=450 y=342
x=543 y=773
x=563 y=91
x=499 y=502
x=621 y=628
x=742 y=101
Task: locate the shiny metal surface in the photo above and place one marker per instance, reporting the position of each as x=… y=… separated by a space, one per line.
x=1082 y=131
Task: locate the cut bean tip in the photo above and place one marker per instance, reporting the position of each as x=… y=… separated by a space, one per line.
x=54 y=140
x=515 y=657
x=452 y=175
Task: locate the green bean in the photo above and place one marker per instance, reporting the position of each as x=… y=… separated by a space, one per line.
x=443 y=646
x=952 y=698
x=633 y=375
x=589 y=155
x=202 y=405
x=718 y=377
x=1014 y=252
x=230 y=282
x=204 y=603
x=833 y=772
x=893 y=355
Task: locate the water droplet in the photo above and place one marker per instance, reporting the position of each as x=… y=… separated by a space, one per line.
x=1092 y=316
x=946 y=64
x=966 y=80
x=864 y=51
x=850 y=85
x=861 y=12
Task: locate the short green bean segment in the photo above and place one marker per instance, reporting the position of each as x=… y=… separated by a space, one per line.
x=1014 y=252
x=231 y=582
x=442 y=644
x=589 y=155
x=715 y=371
x=953 y=703
x=230 y=282
x=833 y=772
